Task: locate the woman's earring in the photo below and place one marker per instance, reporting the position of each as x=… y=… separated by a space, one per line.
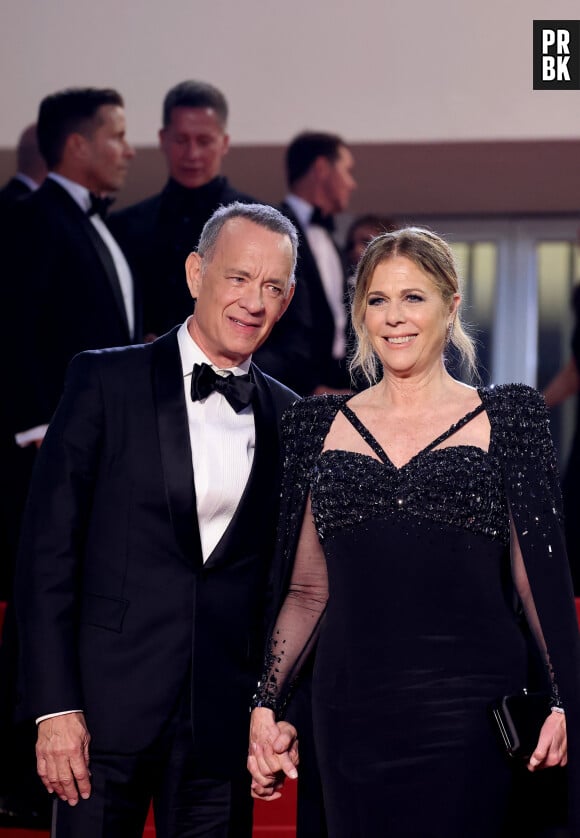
x=449 y=332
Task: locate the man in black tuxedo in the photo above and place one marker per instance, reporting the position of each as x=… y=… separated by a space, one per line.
x=71 y=287
x=307 y=351
x=66 y=288
x=143 y=571
x=30 y=170
x=157 y=234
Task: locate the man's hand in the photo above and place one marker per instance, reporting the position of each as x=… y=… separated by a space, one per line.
x=62 y=756
x=273 y=754
x=552 y=747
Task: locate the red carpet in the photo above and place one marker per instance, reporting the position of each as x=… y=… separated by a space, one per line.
x=271 y=820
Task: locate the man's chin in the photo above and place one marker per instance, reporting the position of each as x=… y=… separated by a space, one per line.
x=192 y=181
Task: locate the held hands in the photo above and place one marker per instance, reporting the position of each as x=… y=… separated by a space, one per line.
x=273 y=754
x=552 y=747
x=62 y=756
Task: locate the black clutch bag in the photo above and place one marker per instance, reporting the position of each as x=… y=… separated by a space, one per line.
x=518 y=719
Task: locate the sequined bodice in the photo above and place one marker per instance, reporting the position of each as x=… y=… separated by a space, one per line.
x=459 y=486
x=456 y=485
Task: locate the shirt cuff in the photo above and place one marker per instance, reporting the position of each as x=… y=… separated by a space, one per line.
x=54 y=715
x=36 y=434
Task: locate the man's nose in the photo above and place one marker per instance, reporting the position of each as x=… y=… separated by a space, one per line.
x=192 y=149
x=253 y=298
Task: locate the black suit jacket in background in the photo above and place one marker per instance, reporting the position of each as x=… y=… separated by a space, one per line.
x=299 y=349
x=116 y=609
x=158 y=234
x=13 y=191
x=61 y=296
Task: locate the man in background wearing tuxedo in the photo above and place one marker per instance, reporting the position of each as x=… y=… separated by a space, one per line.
x=157 y=234
x=307 y=351
x=71 y=286
x=66 y=287
x=142 y=577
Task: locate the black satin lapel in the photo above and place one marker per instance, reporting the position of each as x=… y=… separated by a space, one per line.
x=258 y=498
x=52 y=191
x=175 y=445
x=109 y=268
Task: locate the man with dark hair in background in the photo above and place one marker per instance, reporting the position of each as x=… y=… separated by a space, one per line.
x=71 y=286
x=157 y=234
x=308 y=350
x=67 y=288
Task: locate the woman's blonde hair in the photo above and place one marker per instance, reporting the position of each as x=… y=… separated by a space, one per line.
x=434 y=257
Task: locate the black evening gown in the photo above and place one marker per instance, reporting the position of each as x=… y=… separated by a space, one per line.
x=420 y=633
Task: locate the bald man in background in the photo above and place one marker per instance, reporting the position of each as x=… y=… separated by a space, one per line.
x=30 y=170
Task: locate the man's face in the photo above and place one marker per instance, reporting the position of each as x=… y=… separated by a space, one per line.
x=337 y=180
x=194 y=144
x=105 y=152
x=241 y=290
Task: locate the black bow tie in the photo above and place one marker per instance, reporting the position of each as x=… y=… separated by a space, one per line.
x=99 y=205
x=237 y=389
x=322 y=220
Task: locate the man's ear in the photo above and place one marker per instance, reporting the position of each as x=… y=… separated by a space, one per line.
x=321 y=167
x=193 y=273
x=76 y=147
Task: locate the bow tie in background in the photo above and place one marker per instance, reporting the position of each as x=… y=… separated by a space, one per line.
x=322 y=220
x=99 y=205
x=237 y=389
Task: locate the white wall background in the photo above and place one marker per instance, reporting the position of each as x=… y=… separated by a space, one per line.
x=373 y=70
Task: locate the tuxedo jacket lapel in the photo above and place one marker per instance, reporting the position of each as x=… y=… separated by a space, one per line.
x=175 y=444
x=109 y=268
x=72 y=211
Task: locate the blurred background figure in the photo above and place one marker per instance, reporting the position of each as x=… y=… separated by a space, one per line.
x=307 y=350
x=158 y=233
x=362 y=229
x=566 y=383
x=22 y=802
x=68 y=288
x=30 y=173
x=30 y=170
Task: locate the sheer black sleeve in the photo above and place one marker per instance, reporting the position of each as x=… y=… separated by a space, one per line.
x=300 y=579
x=298 y=623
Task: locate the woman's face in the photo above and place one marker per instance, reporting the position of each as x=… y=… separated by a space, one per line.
x=406 y=317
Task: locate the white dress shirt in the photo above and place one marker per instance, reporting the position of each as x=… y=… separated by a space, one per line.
x=329 y=267
x=27 y=181
x=222 y=447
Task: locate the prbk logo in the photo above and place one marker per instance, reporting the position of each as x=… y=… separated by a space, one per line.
x=557 y=55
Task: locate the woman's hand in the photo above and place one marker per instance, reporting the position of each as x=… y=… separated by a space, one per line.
x=552 y=747
x=273 y=754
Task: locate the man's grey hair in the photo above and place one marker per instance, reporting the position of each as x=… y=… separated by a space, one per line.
x=260 y=214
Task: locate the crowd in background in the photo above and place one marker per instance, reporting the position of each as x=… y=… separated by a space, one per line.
x=82 y=277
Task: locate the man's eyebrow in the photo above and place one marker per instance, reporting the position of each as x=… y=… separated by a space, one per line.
x=247 y=275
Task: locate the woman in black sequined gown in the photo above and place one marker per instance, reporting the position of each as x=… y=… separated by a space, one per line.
x=395 y=527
